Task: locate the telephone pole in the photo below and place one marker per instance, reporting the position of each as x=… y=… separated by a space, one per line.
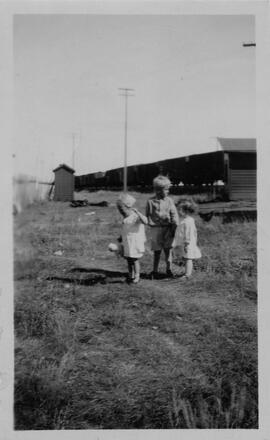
x=75 y=137
x=126 y=93
x=73 y=149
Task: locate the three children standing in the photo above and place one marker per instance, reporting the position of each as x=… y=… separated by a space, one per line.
x=167 y=230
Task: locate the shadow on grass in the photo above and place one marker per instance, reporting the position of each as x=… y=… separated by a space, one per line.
x=98 y=271
x=82 y=281
x=91 y=276
x=116 y=274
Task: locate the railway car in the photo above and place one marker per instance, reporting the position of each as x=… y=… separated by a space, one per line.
x=204 y=168
x=174 y=169
x=132 y=176
x=100 y=180
x=234 y=163
x=114 y=179
x=146 y=173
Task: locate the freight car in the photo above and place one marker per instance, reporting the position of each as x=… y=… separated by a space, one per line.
x=188 y=170
x=92 y=180
x=234 y=164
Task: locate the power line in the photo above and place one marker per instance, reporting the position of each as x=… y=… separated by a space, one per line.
x=126 y=92
x=73 y=149
x=249 y=44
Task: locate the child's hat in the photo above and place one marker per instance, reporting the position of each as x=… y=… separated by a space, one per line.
x=127 y=200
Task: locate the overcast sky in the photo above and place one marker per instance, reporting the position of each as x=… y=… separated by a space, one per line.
x=193 y=81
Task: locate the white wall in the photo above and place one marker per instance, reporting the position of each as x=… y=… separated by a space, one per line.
x=26 y=190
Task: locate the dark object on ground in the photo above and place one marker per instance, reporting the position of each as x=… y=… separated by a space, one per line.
x=229 y=211
x=80 y=203
x=230 y=216
x=207 y=216
x=103 y=203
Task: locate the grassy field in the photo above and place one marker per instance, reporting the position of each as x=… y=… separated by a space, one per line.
x=93 y=352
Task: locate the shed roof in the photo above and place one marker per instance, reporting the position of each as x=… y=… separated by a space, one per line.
x=66 y=167
x=237 y=144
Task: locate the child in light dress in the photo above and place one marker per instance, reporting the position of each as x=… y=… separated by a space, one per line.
x=187 y=236
x=133 y=235
x=163 y=219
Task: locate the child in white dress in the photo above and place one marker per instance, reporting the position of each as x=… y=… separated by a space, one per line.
x=133 y=235
x=187 y=236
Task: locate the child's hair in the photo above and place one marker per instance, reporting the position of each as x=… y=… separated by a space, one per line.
x=161 y=182
x=125 y=203
x=187 y=206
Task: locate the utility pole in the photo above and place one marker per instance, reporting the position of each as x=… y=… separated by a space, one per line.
x=52 y=160
x=73 y=149
x=126 y=93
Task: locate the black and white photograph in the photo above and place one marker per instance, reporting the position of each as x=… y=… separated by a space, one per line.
x=134 y=221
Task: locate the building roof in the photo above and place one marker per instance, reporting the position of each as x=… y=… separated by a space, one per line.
x=66 y=167
x=238 y=144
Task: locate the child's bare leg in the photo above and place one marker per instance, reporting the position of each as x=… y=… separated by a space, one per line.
x=156 y=261
x=189 y=267
x=136 y=268
x=136 y=271
x=130 y=268
x=168 y=259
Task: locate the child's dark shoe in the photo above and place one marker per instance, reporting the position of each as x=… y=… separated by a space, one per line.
x=170 y=274
x=154 y=276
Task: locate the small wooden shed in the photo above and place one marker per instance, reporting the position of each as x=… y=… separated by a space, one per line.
x=64 y=183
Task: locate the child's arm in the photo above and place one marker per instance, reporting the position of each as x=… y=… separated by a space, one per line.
x=187 y=235
x=174 y=219
x=142 y=217
x=148 y=214
x=131 y=219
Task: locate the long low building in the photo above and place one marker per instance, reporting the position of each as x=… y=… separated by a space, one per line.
x=234 y=163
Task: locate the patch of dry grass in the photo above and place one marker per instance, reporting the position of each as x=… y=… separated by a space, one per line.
x=93 y=352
